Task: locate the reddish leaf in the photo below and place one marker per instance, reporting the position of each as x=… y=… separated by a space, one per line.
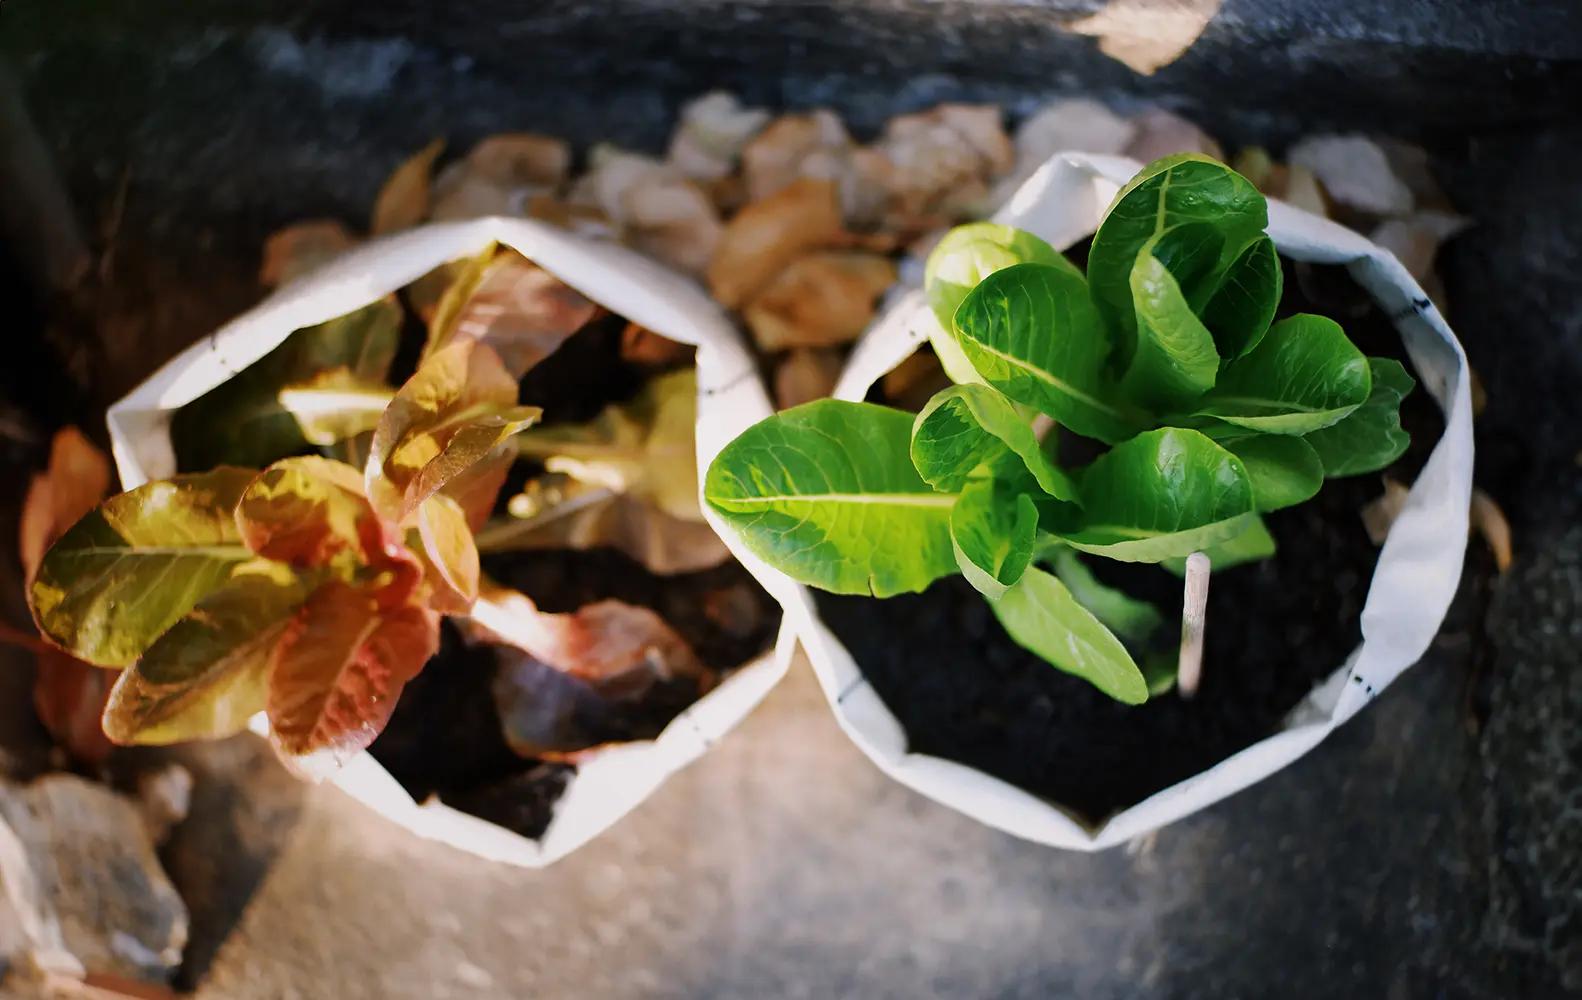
x=513 y=305
x=77 y=478
x=449 y=554
x=310 y=512
x=404 y=200
x=69 y=696
x=338 y=672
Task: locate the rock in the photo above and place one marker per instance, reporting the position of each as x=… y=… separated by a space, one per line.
x=806 y=374
x=1160 y=133
x=165 y=797
x=769 y=234
x=820 y=300
x=713 y=131
x=1355 y=172
x=96 y=872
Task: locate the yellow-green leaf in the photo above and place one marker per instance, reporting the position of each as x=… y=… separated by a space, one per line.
x=310 y=512
x=450 y=554
x=516 y=307
x=335 y=405
x=137 y=564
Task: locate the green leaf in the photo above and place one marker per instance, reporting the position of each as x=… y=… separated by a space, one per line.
x=966 y=256
x=1159 y=671
x=1285 y=470
x=1126 y=616
x=207 y=675
x=645 y=448
x=136 y=565
x=242 y=421
x=1243 y=306
x=968 y=426
x=1165 y=493
x=1304 y=375
x=1371 y=437
x=826 y=493
x=1040 y=615
x=1253 y=544
x=992 y=529
x=336 y=405
x=1175 y=190
x=1175 y=360
x=1032 y=332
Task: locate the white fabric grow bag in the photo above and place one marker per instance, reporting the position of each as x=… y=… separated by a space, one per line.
x=613 y=780
x=1416 y=575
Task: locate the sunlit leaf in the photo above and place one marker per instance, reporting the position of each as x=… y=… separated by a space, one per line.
x=1175 y=360
x=335 y=405
x=516 y=307
x=451 y=554
x=338 y=671
x=827 y=493
x=1032 y=332
x=992 y=527
x=1164 y=493
x=1304 y=375
x=207 y=675
x=1371 y=437
x=1040 y=614
x=241 y=421
x=138 y=563
x=1252 y=544
x=645 y=448
x=966 y=427
x=76 y=479
x=310 y=512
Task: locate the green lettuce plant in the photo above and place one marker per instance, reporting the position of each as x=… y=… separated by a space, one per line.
x=1206 y=414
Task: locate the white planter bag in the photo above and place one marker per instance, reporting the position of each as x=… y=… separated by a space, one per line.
x=1415 y=578
x=611 y=781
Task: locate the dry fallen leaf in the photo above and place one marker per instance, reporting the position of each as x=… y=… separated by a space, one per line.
x=769 y=234
x=913 y=382
x=642 y=346
x=820 y=300
x=813 y=145
x=1147 y=34
x=303 y=247
x=516 y=307
x=713 y=131
x=806 y=374
x=936 y=165
x=500 y=175
x=1380 y=513
x=1415 y=239
x=1489 y=521
x=1073 y=125
x=653 y=206
x=1355 y=173
x=403 y=202
x=1160 y=133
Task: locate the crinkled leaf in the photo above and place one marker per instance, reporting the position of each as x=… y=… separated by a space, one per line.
x=1371 y=437
x=1284 y=470
x=1252 y=544
x=311 y=512
x=826 y=492
x=476 y=445
x=134 y=566
x=1243 y=306
x=338 y=670
x=335 y=405
x=450 y=554
x=1032 y=332
x=457 y=385
x=1164 y=493
x=1040 y=615
x=516 y=307
x=209 y=673
x=968 y=426
x=1133 y=620
x=241 y=421
x=1175 y=359
x=1179 y=189
x=645 y=448
x=558 y=512
x=1305 y=375
x=966 y=256
x=992 y=529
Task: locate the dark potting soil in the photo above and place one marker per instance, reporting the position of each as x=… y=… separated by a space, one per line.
x=445 y=737
x=964 y=691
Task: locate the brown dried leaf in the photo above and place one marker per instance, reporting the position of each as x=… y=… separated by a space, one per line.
x=642 y=346
x=298 y=249
x=1489 y=521
x=76 y=479
x=1415 y=240
x=674 y=221
x=1379 y=514
x=1147 y=35
x=913 y=382
x=69 y=697
x=769 y=234
x=500 y=175
x=511 y=304
x=820 y=300
x=806 y=374
x=814 y=145
x=714 y=128
x=1161 y=133
x=936 y=165
x=403 y=202
x=1355 y=172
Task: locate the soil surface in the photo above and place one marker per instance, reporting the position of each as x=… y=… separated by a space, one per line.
x=964 y=691
x=445 y=736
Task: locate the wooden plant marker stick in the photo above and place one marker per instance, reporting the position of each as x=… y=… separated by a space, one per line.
x=1194 y=608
